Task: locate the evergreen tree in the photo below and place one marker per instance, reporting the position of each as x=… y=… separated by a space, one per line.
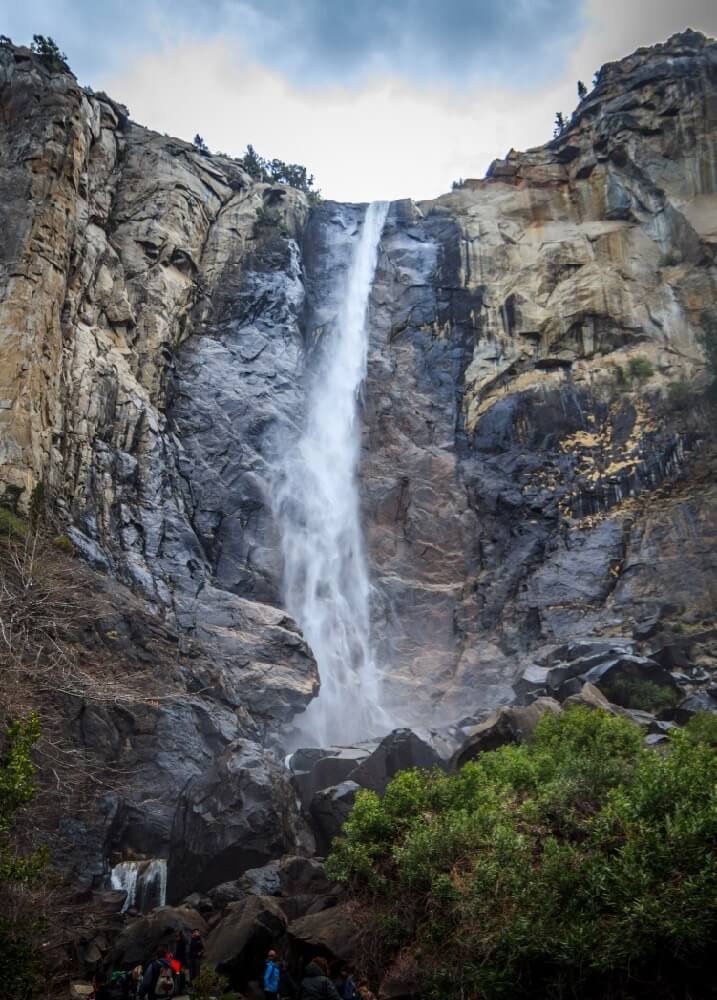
x=560 y=123
x=254 y=164
x=200 y=145
x=47 y=50
x=582 y=90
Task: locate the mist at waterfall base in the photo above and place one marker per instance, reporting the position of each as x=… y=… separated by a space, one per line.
x=326 y=580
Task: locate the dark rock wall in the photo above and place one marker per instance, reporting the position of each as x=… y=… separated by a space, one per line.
x=520 y=485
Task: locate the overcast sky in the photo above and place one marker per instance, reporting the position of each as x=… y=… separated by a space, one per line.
x=378 y=98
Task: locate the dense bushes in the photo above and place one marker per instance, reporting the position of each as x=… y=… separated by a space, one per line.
x=580 y=864
x=21 y=873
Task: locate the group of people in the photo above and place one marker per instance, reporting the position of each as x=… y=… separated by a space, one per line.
x=166 y=975
x=316 y=984
x=171 y=971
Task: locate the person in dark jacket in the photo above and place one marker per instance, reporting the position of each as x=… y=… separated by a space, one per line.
x=151 y=975
x=181 y=950
x=196 y=950
x=345 y=986
x=288 y=989
x=316 y=984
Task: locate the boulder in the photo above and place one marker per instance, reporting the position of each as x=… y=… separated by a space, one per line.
x=701 y=701
x=338 y=931
x=400 y=750
x=81 y=991
x=316 y=769
x=672 y=656
x=589 y=696
x=240 y=814
x=247 y=929
x=504 y=725
x=141 y=937
x=330 y=808
x=553 y=671
x=228 y=892
x=629 y=668
x=262 y=881
x=303 y=876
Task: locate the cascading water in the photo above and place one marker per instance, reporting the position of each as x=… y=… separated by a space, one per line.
x=325 y=573
x=144 y=882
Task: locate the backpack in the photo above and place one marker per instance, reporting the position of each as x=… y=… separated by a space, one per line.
x=165 y=982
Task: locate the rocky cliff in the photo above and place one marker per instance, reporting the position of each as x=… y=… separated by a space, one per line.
x=528 y=475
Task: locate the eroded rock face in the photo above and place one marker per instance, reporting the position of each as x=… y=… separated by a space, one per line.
x=240 y=814
x=116 y=243
x=525 y=480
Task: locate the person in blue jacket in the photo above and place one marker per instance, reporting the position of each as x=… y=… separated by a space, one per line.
x=272 y=975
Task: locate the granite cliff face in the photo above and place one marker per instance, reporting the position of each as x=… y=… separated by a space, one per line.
x=525 y=478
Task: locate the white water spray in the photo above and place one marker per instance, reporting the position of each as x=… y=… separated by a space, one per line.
x=325 y=573
x=144 y=882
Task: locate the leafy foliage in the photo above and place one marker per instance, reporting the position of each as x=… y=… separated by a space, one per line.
x=48 y=51
x=702 y=728
x=209 y=985
x=630 y=692
x=578 y=864
x=20 y=965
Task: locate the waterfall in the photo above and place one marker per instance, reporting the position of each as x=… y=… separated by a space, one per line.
x=325 y=574
x=144 y=882
x=123 y=877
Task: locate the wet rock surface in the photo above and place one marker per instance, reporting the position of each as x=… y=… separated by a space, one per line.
x=536 y=513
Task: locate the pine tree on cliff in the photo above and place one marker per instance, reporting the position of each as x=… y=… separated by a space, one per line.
x=254 y=164
x=47 y=50
x=200 y=145
x=582 y=90
x=560 y=124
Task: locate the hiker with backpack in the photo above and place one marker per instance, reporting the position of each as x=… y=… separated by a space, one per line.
x=158 y=979
x=125 y=985
x=316 y=984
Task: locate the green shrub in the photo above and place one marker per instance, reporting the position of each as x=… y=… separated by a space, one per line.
x=702 y=728
x=578 y=864
x=640 y=368
x=65 y=545
x=209 y=985
x=21 y=921
x=630 y=692
x=671 y=258
x=11 y=525
x=680 y=395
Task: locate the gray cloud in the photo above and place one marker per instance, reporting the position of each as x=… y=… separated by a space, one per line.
x=420 y=39
x=320 y=41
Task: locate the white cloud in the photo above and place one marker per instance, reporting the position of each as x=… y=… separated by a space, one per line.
x=387 y=138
